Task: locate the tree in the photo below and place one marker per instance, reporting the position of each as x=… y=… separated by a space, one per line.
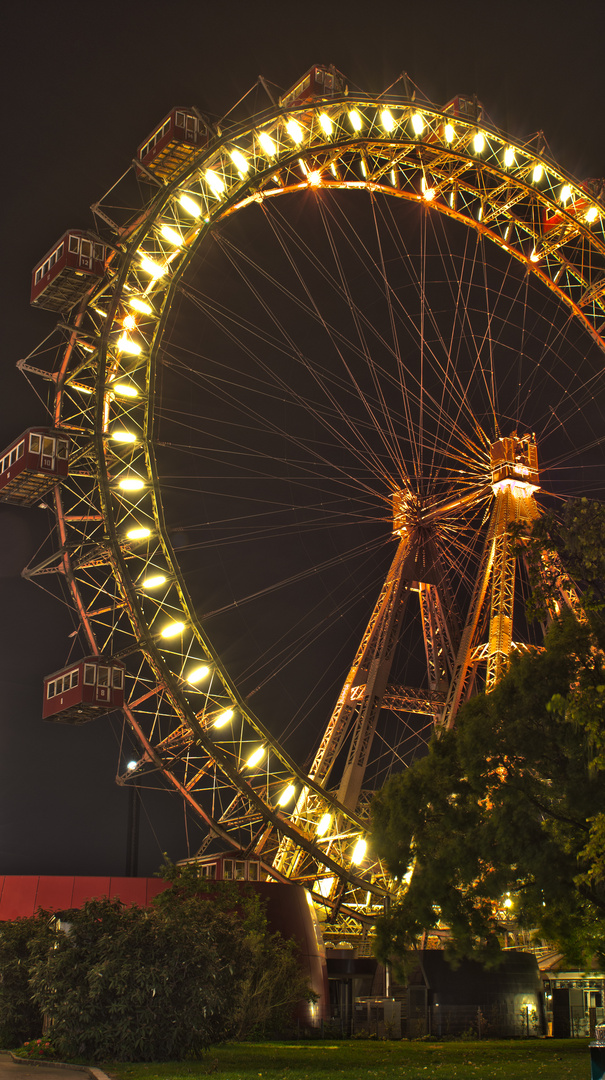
x=164 y=982
x=130 y=983
x=20 y=1017
x=270 y=982
x=511 y=800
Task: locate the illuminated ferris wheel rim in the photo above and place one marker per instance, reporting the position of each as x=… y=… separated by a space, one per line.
x=398 y=138
x=405 y=151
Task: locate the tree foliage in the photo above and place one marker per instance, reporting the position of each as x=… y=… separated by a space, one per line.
x=270 y=982
x=20 y=1017
x=158 y=983
x=577 y=535
x=512 y=799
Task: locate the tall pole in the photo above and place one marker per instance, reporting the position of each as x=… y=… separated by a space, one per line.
x=132 y=830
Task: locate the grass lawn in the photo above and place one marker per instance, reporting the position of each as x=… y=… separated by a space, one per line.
x=561 y=1059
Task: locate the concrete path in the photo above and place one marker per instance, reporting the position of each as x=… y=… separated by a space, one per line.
x=33 y=1070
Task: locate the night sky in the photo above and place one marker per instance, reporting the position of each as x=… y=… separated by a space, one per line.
x=84 y=84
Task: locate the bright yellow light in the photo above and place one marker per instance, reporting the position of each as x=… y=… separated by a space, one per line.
x=190 y=206
x=534 y=257
x=537 y=173
x=140 y=305
x=479 y=142
x=449 y=132
x=256 y=756
x=287 y=795
x=429 y=194
x=151 y=267
x=508 y=902
x=123 y=436
x=480 y=213
x=171 y=235
x=356 y=121
x=326 y=124
x=240 y=162
x=126 y=345
x=314 y=177
x=387 y=119
x=173 y=629
x=359 y=852
x=295 y=131
x=154 y=581
x=125 y=390
x=364 y=171
x=129 y=322
x=325 y=886
x=139 y=533
x=198 y=673
x=268 y=145
x=214 y=181
x=83 y=389
x=509 y=157
x=592 y=214
x=131 y=483
x=324 y=825
x=418 y=123
x=565 y=193
x=224 y=718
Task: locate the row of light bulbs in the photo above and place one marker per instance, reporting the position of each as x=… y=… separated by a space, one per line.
x=257 y=755
x=269 y=147
x=217 y=185
x=133 y=484
x=388 y=121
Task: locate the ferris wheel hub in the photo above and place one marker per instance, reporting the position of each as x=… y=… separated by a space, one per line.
x=514 y=460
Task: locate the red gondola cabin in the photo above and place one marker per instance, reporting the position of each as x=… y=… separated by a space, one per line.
x=225 y=867
x=67 y=271
x=32 y=464
x=317 y=82
x=177 y=137
x=89 y=688
x=578 y=208
x=464 y=106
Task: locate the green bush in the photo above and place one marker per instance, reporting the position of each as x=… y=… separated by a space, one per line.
x=163 y=982
x=130 y=983
x=20 y=1016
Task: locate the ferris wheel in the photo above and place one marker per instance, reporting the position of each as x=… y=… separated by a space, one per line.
x=312 y=365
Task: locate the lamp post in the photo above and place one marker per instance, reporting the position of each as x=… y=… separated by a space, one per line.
x=132 y=827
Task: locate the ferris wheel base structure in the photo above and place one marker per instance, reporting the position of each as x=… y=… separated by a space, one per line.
x=460 y=475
